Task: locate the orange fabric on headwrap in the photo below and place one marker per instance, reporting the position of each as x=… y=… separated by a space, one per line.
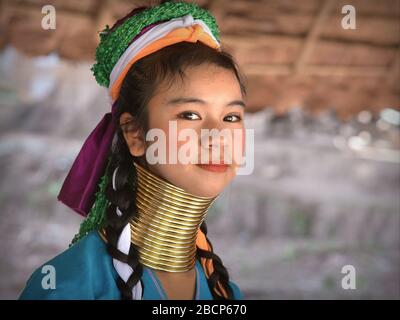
x=190 y=34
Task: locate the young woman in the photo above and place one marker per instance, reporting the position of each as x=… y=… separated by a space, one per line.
x=145 y=236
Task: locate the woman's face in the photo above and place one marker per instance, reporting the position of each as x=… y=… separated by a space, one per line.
x=216 y=103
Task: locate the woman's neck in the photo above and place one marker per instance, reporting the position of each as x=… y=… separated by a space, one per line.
x=166 y=225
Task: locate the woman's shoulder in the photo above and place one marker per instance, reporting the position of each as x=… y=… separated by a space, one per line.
x=237 y=293
x=83 y=271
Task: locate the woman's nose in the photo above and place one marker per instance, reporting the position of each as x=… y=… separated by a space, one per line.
x=215 y=135
x=212 y=134
x=213 y=122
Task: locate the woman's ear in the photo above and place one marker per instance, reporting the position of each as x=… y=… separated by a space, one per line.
x=133 y=138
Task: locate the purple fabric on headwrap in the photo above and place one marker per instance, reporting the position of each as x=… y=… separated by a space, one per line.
x=79 y=187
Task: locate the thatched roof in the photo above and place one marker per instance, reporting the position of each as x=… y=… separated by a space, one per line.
x=293 y=53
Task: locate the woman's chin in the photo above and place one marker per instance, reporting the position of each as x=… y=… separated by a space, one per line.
x=207 y=183
x=201 y=182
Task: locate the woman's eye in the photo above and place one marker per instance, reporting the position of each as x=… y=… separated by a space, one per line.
x=232 y=118
x=189 y=116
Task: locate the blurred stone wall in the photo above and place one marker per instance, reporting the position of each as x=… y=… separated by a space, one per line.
x=324 y=194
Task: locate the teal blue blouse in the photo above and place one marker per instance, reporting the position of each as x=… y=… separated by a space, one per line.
x=85 y=272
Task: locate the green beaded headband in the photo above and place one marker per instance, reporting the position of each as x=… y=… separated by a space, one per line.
x=96 y=217
x=113 y=44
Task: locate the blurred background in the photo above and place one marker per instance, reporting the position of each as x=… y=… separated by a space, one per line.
x=324 y=102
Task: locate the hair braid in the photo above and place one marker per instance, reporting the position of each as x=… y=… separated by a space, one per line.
x=124 y=199
x=220 y=273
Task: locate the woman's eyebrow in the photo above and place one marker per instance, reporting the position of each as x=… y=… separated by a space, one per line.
x=182 y=100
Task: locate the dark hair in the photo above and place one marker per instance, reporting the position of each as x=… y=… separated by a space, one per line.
x=138 y=86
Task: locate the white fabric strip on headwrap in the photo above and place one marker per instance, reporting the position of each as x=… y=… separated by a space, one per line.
x=123 y=269
x=155 y=33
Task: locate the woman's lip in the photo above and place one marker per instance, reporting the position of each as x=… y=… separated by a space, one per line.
x=214 y=167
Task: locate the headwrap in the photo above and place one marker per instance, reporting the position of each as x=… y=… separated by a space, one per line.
x=120 y=47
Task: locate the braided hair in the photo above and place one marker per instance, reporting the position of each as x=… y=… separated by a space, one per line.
x=138 y=86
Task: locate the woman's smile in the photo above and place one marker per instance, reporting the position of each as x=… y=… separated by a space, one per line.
x=214 y=167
